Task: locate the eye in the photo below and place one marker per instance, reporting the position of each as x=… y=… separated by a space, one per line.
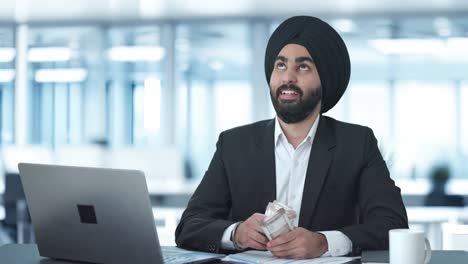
x=281 y=66
x=304 y=67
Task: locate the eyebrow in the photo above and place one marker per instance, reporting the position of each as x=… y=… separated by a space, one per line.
x=297 y=60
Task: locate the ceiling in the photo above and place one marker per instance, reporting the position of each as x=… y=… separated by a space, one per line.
x=116 y=10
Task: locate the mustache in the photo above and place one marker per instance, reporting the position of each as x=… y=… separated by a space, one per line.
x=289 y=87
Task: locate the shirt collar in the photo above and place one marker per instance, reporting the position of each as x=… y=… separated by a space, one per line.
x=279 y=132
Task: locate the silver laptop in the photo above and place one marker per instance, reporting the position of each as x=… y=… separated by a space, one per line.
x=95 y=215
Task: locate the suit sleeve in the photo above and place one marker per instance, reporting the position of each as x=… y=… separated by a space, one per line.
x=206 y=216
x=380 y=205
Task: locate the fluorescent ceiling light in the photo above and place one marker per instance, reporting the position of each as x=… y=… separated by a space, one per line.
x=7 y=75
x=60 y=75
x=49 y=54
x=7 y=54
x=453 y=47
x=136 y=53
x=408 y=46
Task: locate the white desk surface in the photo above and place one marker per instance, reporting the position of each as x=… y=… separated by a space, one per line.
x=432 y=214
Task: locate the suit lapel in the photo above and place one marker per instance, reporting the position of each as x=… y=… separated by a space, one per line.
x=266 y=180
x=320 y=159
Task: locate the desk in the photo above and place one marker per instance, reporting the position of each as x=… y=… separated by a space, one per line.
x=431 y=219
x=28 y=254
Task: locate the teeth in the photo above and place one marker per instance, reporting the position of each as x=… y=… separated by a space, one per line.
x=288 y=92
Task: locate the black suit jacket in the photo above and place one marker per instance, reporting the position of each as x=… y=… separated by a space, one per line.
x=347 y=187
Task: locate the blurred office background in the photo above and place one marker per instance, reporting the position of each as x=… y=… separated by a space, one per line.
x=149 y=84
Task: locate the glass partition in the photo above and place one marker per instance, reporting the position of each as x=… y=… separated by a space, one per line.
x=7 y=80
x=213 y=67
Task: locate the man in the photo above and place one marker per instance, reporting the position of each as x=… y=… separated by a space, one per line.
x=330 y=172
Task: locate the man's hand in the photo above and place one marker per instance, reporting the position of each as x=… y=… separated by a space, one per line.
x=299 y=243
x=249 y=234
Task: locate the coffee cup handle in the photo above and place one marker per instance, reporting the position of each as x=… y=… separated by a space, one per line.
x=427 y=252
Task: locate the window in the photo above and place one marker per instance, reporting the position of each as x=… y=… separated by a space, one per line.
x=136 y=85
x=213 y=66
x=425 y=125
x=7 y=79
x=369 y=106
x=464 y=119
x=232 y=106
x=183 y=81
x=62 y=63
x=147 y=111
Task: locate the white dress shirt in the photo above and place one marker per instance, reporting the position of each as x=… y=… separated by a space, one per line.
x=291 y=168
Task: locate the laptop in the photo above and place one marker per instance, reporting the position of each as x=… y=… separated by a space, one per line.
x=96 y=215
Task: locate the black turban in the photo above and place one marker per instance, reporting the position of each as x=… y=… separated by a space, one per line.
x=326 y=47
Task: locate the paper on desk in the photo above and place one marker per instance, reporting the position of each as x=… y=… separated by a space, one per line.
x=260 y=257
x=186 y=255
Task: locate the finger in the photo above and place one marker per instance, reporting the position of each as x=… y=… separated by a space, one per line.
x=282 y=253
x=258 y=218
x=283 y=239
x=281 y=248
x=253 y=224
x=257 y=227
x=260 y=238
x=255 y=245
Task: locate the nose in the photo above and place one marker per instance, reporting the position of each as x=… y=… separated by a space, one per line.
x=289 y=77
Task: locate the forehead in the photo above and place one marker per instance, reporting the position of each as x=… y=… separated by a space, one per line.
x=294 y=51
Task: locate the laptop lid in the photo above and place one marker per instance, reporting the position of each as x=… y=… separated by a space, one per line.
x=91 y=214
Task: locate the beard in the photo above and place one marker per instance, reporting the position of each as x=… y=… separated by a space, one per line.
x=295 y=111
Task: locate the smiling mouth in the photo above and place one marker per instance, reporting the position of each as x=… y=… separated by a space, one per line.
x=288 y=92
x=288 y=95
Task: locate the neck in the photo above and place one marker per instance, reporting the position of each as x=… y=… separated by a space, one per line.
x=297 y=132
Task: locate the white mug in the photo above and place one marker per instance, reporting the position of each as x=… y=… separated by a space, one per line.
x=409 y=246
